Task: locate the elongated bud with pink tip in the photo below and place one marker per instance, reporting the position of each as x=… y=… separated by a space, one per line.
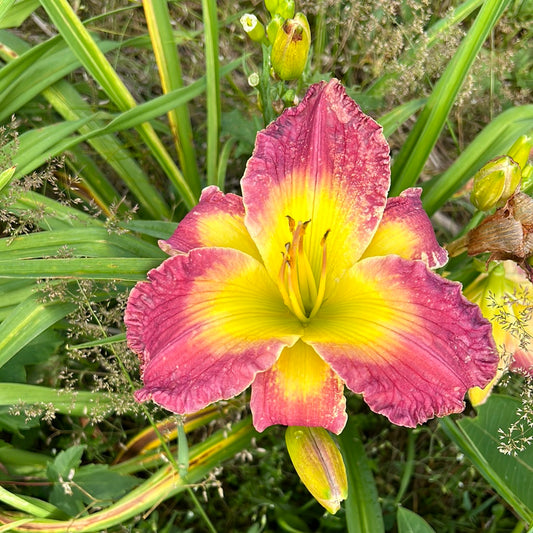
x=318 y=462
x=291 y=48
x=254 y=29
x=495 y=183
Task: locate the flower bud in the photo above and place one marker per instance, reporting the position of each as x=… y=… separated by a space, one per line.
x=291 y=48
x=521 y=149
x=286 y=8
x=495 y=183
x=318 y=462
x=272 y=28
x=252 y=26
x=271 y=6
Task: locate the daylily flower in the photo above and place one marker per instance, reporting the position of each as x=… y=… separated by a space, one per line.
x=505 y=297
x=312 y=280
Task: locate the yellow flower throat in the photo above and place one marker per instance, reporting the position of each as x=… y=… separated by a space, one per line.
x=300 y=291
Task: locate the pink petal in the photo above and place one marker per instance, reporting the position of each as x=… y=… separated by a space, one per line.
x=523 y=362
x=204 y=325
x=217 y=220
x=299 y=390
x=405 y=338
x=406 y=230
x=323 y=161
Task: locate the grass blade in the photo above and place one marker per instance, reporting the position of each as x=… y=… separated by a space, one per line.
x=75 y=403
x=363 y=511
x=168 y=63
x=91 y=57
x=29 y=318
x=87 y=242
x=116 y=268
x=209 y=10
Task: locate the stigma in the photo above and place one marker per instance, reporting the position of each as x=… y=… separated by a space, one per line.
x=302 y=293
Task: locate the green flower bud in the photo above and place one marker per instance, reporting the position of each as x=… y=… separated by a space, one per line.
x=318 y=462
x=291 y=48
x=272 y=6
x=521 y=149
x=252 y=26
x=495 y=183
x=286 y=8
x=273 y=26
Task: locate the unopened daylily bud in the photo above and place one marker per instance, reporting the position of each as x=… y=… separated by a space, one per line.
x=272 y=28
x=252 y=26
x=495 y=183
x=286 y=8
x=271 y=6
x=319 y=463
x=521 y=149
x=291 y=48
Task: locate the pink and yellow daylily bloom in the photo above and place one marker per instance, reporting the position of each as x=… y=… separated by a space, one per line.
x=505 y=297
x=311 y=281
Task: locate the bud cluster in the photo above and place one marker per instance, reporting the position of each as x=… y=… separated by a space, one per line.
x=287 y=34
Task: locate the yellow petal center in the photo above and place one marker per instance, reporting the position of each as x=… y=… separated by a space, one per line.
x=302 y=294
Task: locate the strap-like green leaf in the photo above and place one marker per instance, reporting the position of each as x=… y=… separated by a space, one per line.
x=117 y=268
x=363 y=511
x=26 y=321
x=478 y=438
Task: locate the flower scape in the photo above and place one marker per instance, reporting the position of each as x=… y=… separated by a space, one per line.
x=311 y=281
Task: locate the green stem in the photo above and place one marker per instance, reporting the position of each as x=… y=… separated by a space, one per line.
x=408 y=468
x=264 y=88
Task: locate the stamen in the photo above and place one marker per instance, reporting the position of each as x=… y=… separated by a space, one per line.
x=322 y=282
x=294 y=285
x=292 y=223
x=282 y=276
x=305 y=273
